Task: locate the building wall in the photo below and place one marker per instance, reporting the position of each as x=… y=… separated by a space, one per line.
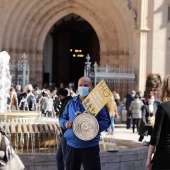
x=161 y=34
x=25 y=26
x=131 y=33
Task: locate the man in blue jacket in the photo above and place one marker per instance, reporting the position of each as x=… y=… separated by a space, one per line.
x=78 y=151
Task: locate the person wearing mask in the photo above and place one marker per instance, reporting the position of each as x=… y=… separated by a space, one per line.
x=135 y=107
x=79 y=151
x=62 y=94
x=160 y=138
x=129 y=99
x=148 y=110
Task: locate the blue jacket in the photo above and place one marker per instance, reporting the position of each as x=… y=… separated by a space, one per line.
x=74 y=106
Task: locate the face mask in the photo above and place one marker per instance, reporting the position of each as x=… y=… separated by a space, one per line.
x=151 y=101
x=83 y=91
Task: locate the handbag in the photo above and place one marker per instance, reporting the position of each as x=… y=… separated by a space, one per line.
x=9 y=160
x=129 y=114
x=151 y=120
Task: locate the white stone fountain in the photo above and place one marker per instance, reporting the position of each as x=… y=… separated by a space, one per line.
x=5 y=80
x=26 y=129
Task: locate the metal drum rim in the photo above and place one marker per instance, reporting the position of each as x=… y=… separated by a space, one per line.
x=76 y=122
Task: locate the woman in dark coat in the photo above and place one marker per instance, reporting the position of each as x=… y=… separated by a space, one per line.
x=160 y=139
x=148 y=109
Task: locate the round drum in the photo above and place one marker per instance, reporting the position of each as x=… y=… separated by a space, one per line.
x=85 y=126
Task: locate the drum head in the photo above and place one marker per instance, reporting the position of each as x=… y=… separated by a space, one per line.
x=85 y=126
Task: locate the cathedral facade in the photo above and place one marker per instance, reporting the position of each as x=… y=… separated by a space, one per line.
x=122 y=33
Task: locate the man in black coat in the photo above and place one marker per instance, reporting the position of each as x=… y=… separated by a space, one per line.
x=63 y=100
x=129 y=99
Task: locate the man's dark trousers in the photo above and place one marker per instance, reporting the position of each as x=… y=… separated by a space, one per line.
x=88 y=157
x=61 y=154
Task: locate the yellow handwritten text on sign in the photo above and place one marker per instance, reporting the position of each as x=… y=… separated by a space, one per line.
x=97 y=98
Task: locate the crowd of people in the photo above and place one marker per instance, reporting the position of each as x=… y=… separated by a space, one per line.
x=140 y=114
x=32 y=98
x=144 y=116
x=152 y=117
x=49 y=102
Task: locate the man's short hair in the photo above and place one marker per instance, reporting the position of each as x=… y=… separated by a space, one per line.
x=62 y=91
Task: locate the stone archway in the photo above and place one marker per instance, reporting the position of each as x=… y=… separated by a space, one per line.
x=71 y=39
x=113 y=28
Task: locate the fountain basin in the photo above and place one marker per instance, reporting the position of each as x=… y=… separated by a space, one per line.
x=20 y=115
x=31 y=137
x=131 y=155
x=31 y=133
x=125 y=159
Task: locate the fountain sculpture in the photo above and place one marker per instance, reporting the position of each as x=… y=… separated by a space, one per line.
x=27 y=130
x=5 y=80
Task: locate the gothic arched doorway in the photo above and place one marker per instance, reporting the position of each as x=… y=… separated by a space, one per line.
x=66 y=46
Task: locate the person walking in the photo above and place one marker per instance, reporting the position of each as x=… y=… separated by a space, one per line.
x=160 y=138
x=46 y=104
x=129 y=99
x=135 y=107
x=112 y=110
x=79 y=151
x=61 y=152
x=117 y=98
x=148 y=110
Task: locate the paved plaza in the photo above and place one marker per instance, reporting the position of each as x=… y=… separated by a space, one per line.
x=124 y=138
x=121 y=133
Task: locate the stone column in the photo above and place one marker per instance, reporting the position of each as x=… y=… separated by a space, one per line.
x=143 y=31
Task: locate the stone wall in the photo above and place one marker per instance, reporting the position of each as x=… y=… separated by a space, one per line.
x=131 y=33
x=114 y=29
x=130 y=159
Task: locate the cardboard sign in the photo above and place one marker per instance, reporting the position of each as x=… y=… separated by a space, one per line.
x=97 y=98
